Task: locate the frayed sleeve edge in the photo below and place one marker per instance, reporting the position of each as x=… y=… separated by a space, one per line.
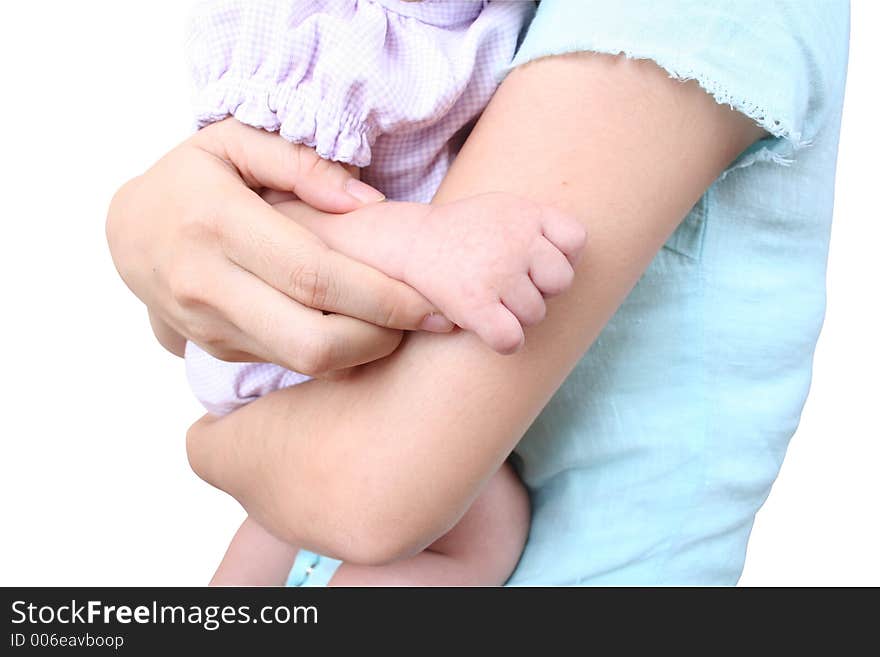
x=780 y=148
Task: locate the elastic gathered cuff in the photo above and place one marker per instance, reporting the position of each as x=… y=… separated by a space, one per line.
x=291 y=111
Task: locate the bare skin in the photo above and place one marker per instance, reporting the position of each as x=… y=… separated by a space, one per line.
x=614 y=142
x=487 y=263
x=178 y=239
x=481 y=550
x=254 y=558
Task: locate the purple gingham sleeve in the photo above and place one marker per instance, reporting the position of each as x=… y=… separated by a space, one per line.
x=338 y=74
x=382 y=84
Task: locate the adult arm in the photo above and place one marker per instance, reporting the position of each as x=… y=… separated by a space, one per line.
x=375 y=467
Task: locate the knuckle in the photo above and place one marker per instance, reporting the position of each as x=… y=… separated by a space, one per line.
x=209 y=337
x=387 y=313
x=186 y=287
x=537 y=314
x=314 y=355
x=394 y=310
x=314 y=165
x=566 y=275
x=310 y=284
x=201 y=223
x=561 y=280
x=302 y=159
x=542 y=312
x=308 y=166
x=528 y=212
x=299 y=158
x=394 y=315
x=305 y=285
x=578 y=236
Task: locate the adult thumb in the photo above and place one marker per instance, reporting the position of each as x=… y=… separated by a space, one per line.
x=265 y=159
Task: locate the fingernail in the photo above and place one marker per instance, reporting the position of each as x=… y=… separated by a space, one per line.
x=436 y=323
x=363 y=192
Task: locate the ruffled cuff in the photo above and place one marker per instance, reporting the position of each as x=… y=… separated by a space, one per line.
x=288 y=110
x=336 y=75
x=258 y=62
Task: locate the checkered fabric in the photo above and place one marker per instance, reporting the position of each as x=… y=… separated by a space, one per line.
x=385 y=85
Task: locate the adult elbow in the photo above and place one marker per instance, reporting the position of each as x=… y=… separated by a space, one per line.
x=379 y=547
x=380 y=530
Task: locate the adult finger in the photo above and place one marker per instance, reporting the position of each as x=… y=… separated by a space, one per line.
x=299 y=338
x=294 y=261
x=265 y=159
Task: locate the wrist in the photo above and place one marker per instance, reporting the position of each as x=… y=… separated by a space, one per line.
x=418 y=231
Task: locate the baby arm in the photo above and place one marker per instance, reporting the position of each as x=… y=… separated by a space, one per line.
x=487 y=262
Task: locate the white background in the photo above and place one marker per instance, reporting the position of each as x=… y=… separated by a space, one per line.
x=94 y=483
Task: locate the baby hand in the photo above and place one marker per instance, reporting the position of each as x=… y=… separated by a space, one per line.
x=487 y=262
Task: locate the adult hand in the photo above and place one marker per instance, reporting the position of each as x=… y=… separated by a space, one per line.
x=215 y=264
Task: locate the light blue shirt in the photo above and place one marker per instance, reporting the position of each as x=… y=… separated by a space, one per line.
x=650 y=462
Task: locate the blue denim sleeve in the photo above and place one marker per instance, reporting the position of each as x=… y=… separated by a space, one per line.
x=777 y=61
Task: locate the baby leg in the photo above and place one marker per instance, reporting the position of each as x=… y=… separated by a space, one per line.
x=481 y=550
x=254 y=558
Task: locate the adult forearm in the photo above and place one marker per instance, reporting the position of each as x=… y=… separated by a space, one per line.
x=378 y=465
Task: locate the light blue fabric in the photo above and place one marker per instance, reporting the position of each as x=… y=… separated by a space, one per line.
x=649 y=464
x=310 y=569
